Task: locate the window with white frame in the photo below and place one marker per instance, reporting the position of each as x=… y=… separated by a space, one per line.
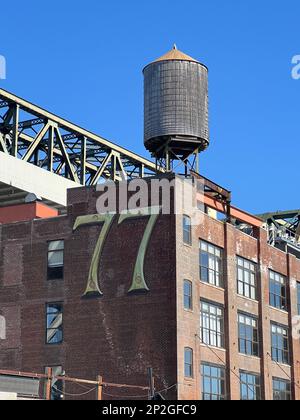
x=212 y=324
x=211 y=264
x=246 y=278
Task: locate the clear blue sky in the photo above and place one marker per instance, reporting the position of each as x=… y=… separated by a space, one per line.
x=83 y=61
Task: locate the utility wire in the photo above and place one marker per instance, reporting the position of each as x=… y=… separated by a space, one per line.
x=167 y=389
x=286 y=374
x=222 y=361
x=81 y=385
x=125 y=396
x=140 y=396
x=73 y=395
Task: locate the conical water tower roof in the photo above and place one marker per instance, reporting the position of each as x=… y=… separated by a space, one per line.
x=174 y=55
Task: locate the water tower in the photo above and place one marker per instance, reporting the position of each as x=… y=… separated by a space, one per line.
x=176 y=110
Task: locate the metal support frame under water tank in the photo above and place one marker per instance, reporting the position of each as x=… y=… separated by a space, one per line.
x=174 y=155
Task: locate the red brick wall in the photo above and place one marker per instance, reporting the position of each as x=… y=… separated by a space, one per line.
x=257 y=250
x=118 y=335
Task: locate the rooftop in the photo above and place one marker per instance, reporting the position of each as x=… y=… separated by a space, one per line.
x=175 y=54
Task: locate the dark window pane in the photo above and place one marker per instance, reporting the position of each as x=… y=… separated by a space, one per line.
x=188 y=363
x=213 y=382
x=54 y=324
x=278 y=290
x=281 y=390
x=187 y=230
x=248 y=335
x=204 y=260
x=250 y=386
x=204 y=274
x=188 y=295
x=55 y=269
x=280 y=344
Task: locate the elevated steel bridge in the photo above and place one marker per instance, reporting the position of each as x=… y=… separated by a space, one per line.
x=36 y=136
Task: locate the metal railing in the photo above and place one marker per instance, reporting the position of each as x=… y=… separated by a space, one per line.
x=283 y=233
x=45 y=385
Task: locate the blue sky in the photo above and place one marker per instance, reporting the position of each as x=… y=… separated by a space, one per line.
x=83 y=60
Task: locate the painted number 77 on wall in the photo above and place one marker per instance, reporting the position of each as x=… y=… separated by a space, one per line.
x=138 y=281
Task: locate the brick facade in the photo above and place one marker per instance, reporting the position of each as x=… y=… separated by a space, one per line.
x=121 y=334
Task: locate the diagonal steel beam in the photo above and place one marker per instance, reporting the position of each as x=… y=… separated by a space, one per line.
x=83 y=160
x=2 y=144
x=69 y=166
x=32 y=148
x=27 y=106
x=102 y=168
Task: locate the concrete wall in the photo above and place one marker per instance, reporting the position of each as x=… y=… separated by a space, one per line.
x=26 y=177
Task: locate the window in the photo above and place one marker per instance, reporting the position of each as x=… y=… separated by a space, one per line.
x=188 y=295
x=187 y=230
x=57 y=388
x=281 y=390
x=248 y=335
x=280 y=344
x=278 y=291
x=250 y=387
x=188 y=363
x=298 y=296
x=54 y=323
x=55 y=260
x=212 y=325
x=213 y=383
x=246 y=275
x=211 y=264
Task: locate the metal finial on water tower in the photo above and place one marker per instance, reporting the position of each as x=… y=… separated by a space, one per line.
x=175 y=47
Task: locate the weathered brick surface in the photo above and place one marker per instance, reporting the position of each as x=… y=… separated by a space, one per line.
x=120 y=335
x=257 y=250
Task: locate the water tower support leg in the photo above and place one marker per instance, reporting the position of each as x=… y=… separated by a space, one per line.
x=197 y=162
x=168 y=160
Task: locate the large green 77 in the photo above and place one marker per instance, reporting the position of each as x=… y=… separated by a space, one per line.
x=138 y=281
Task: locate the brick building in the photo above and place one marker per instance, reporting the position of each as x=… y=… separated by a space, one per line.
x=215 y=313
x=208 y=297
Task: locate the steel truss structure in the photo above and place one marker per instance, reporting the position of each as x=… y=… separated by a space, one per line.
x=177 y=154
x=38 y=137
x=284 y=226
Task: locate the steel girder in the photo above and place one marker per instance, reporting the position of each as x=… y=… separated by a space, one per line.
x=38 y=137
